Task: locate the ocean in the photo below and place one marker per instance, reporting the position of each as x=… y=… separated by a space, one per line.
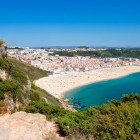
x=97 y=94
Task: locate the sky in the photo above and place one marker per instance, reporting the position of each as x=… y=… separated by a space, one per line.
x=40 y=23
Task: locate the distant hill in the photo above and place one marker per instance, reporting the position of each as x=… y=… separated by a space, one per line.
x=110 y=52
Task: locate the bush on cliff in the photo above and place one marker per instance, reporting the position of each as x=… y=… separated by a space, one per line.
x=17 y=85
x=115 y=120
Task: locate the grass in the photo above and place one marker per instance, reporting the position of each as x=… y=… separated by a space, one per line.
x=20 y=73
x=33 y=72
x=38 y=93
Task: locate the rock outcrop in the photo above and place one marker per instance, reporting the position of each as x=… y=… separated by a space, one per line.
x=3 y=49
x=27 y=126
x=4 y=75
x=9 y=102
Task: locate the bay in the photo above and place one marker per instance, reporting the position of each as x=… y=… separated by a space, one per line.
x=97 y=94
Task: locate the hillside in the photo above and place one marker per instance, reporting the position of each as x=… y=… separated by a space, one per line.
x=115 y=120
x=112 y=121
x=33 y=72
x=16 y=85
x=3 y=48
x=128 y=53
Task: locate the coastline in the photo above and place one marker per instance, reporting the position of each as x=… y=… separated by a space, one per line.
x=59 y=84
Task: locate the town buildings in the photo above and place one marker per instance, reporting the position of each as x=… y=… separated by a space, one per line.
x=44 y=59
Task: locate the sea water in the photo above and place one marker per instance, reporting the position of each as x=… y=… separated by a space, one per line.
x=99 y=93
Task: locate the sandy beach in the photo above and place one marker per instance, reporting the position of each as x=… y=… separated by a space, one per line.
x=58 y=84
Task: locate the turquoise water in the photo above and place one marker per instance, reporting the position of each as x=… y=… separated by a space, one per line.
x=97 y=94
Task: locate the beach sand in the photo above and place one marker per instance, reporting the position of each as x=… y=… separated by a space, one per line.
x=58 y=84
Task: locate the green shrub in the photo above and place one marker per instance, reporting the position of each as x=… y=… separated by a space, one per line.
x=33 y=72
x=12 y=70
x=1 y=95
x=115 y=120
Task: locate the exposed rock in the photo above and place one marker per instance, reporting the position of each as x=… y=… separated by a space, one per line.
x=3 y=49
x=4 y=75
x=9 y=102
x=28 y=85
x=27 y=126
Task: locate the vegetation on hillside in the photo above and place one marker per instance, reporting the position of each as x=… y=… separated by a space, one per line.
x=14 y=85
x=17 y=83
x=128 y=53
x=15 y=73
x=115 y=120
x=112 y=121
x=38 y=94
x=33 y=72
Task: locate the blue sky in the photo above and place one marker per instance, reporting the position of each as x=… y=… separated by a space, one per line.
x=35 y=23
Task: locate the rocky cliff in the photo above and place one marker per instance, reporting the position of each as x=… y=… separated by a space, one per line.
x=3 y=49
x=14 y=87
x=17 y=91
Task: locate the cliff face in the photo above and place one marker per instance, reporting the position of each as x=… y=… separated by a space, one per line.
x=14 y=86
x=3 y=50
x=16 y=92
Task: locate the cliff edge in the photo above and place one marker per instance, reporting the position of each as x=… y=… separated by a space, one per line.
x=27 y=126
x=3 y=49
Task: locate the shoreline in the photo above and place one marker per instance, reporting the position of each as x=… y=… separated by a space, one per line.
x=59 y=84
x=99 y=81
